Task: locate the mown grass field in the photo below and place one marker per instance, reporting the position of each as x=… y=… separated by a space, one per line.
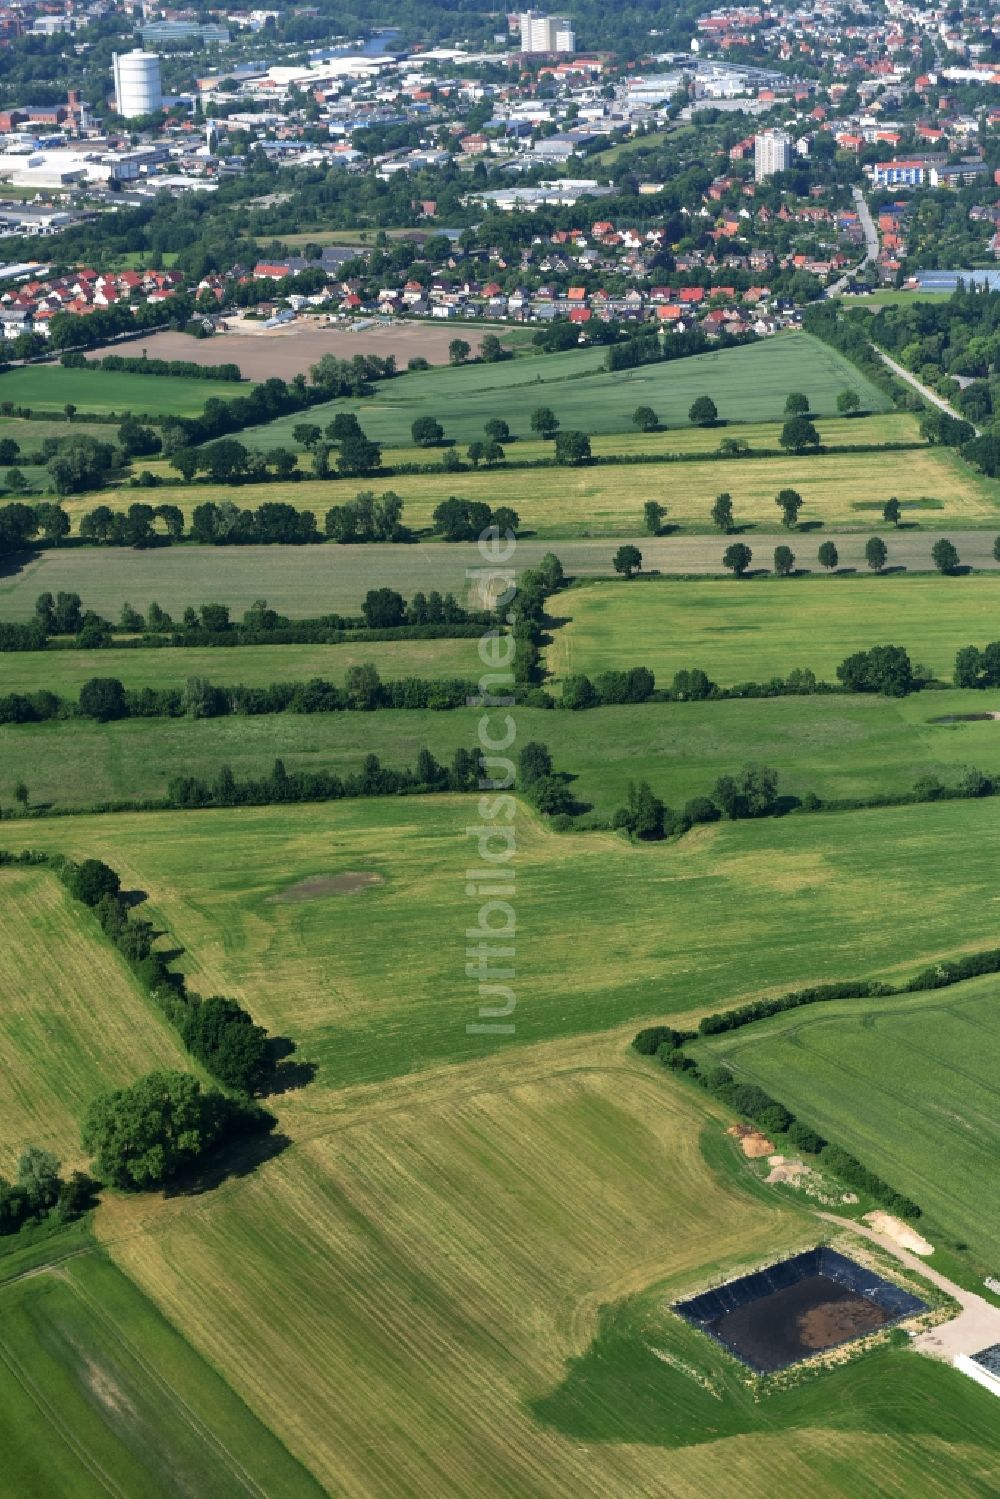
x=72 y=1019
x=833 y=746
x=253 y=666
x=838 y=489
x=910 y=1084
x=741 y=630
x=441 y=1254
x=747 y=384
x=102 y=1396
x=48 y=387
x=685 y=930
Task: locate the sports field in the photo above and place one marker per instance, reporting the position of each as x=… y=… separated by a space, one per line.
x=749 y=630
x=253 y=666
x=48 y=387
x=72 y=1019
x=833 y=746
x=748 y=384
x=102 y=1397
x=839 y=490
x=910 y=1084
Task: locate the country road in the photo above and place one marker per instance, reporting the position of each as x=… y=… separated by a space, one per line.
x=924 y=390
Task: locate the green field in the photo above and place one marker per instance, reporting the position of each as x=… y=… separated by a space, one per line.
x=253 y=666
x=838 y=489
x=741 y=630
x=327 y=970
x=72 y=1019
x=101 y=1396
x=910 y=1084
x=48 y=387
x=833 y=746
x=747 y=384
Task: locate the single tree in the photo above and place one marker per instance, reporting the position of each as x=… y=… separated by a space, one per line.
x=476 y=452
x=733 y=447
x=572 y=448
x=544 y=421
x=737 y=558
x=645 y=418
x=876 y=553
x=21 y=795
x=307 y=434
x=70 y=411
x=945 y=556
x=187 y=463
x=784 y=561
x=426 y=432
x=891 y=510
x=798 y=434
x=497 y=430
x=459 y=351
x=703 y=412
x=534 y=763
x=848 y=402
x=653 y=513
x=103 y=698
x=789 y=502
x=996 y=550
x=491 y=349
x=797 y=404
x=722 y=512
x=628 y=560
x=828 y=556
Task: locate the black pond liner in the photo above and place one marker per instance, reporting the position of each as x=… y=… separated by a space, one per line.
x=798 y=1308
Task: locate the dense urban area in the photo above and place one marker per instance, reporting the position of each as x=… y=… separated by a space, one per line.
x=499 y=770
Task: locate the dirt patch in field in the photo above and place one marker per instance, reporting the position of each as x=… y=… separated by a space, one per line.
x=316 y=886
x=752 y=1142
x=793 y=1173
x=292 y=349
x=901 y=1233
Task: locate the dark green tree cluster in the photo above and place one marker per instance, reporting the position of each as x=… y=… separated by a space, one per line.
x=467 y=520
x=368 y=517
x=39 y=1193
x=885 y=668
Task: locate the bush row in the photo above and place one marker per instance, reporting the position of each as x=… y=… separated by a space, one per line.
x=770 y=1116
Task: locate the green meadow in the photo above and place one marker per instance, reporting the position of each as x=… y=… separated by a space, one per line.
x=753 y=629
x=65 y=671
x=49 y=387
x=833 y=746
x=102 y=1396
x=910 y=1084
x=747 y=384
x=684 y=932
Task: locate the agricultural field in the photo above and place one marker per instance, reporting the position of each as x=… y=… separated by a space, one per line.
x=49 y=387
x=839 y=490
x=910 y=1084
x=326 y=970
x=65 y=672
x=319 y=579
x=833 y=746
x=102 y=1396
x=741 y=630
x=748 y=384
x=72 y=1021
x=568 y=1181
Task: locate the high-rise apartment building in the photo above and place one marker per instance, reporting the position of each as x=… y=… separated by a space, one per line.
x=546 y=33
x=772 y=152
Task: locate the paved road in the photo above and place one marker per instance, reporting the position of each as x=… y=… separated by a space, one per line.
x=918 y=385
x=871 y=244
x=975 y=1327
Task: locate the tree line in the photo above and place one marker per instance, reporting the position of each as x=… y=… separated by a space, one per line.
x=129 y=364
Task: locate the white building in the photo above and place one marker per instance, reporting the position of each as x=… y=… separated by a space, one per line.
x=137 y=83
x=772 y=152
x=546 y=33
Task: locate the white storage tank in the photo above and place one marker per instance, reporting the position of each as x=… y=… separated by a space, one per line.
x=137 y=83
